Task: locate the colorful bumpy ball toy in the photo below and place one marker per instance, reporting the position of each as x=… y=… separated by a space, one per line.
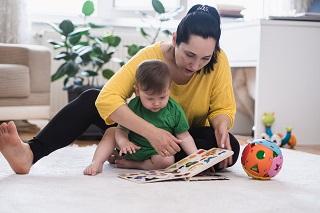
x=261 y=159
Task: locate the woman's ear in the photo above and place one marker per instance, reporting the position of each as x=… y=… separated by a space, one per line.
x=136 y=90
x=174 y=39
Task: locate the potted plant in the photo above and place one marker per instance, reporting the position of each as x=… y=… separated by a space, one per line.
x=84 y=57
x=83 y=54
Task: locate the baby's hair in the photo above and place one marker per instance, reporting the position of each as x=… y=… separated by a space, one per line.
x=153 y=76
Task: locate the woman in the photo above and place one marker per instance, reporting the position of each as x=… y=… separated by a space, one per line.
x=202 y=85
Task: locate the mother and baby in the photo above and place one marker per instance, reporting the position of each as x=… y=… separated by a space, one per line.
x=184 y=98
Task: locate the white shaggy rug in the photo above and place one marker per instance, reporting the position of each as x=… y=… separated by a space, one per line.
x=56 y=184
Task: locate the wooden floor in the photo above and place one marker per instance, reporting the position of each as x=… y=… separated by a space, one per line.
x=26 y=135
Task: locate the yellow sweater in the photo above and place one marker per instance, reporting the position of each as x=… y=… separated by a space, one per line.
x=203 y=97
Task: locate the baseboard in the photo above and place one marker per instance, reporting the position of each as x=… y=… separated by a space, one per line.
x=24 y=112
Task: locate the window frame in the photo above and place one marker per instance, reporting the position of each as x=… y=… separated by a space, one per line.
x=106 y=13
x=122 y=13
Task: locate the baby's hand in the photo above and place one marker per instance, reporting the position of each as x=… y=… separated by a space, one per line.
x=128 y=147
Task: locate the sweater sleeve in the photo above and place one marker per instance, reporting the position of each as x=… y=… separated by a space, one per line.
x=121 y=86
x=222 y=99
x=182 y=124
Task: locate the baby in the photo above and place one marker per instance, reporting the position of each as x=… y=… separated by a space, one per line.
x=153 y=104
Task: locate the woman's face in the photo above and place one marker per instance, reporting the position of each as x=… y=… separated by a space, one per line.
x=194 y=55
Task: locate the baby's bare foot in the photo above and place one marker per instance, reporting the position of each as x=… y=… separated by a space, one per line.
x=93 y=169
x=17 y=153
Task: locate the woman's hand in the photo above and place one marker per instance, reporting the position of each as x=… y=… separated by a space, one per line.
x=220 y=124
x=223 y=141
x=164 y=142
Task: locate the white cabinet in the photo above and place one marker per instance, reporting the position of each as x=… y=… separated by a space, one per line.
x=286 y=55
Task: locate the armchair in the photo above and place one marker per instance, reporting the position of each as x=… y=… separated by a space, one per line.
x=24 y=82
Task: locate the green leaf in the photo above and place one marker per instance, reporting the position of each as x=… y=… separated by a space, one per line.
x=112 y=40
x=65 y=81
x=106 y=57
x=61 y=71
x=74 y=39
x=67 y=27
x=105 y=39
x=133 y=49
x=144 y=33
x=86 y=59
x=96 y=26
x=89 y=73
x=71 y=68
x=158 y=6
x=73 y=56
x=96 y=50
x=84 y=50
x=56 y=44
x=84 y=43
x=167 y=32
x=107 y=73
x=76 y=48
x=122 y=63
x=115 y=41
x=60 y=56
x=80 y=31
x=97 y=61
x=87 y=8
x=57 y=47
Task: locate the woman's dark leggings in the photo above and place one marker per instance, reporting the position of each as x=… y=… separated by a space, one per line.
x=70 y=122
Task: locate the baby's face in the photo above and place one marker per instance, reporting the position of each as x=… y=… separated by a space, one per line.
x=154 y=101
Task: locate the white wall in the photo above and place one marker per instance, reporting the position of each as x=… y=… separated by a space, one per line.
x=286 y=57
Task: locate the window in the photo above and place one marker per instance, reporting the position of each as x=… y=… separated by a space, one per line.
x=56 y=7
x=122 y=11
x=143 y=4
x=104 y=8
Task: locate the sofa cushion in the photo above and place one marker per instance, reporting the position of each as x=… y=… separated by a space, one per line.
x=14 y=81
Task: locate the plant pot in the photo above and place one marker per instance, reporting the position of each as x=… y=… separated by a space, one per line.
x=93 y=132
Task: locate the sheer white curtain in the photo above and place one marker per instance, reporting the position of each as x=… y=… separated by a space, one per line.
x=14 y=24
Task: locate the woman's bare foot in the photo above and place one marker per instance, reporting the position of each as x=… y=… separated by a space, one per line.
x=17 y=153
x=93 y=169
